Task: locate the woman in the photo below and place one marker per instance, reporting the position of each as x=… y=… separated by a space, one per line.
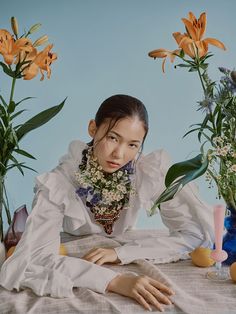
x=99 y=188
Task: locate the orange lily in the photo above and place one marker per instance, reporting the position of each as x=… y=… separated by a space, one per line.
x=164 y=53
x=41 y=61
x=192 y=42
x=9 y=47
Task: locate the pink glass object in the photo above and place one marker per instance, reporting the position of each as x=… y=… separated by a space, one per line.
x=16 y=228
x=218 y=254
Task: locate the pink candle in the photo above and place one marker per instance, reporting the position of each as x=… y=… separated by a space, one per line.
x=218 y=254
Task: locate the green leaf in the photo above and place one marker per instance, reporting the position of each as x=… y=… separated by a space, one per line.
x=11 y=107
x=204 y=66
x=17 y=114
x=24 y=153
x=3 y=101
x=186 y=168
x=38 y=120
x=2 y=111
x=179 y=175
x=181 y=53
x=26 y=98
x=27 y=167
x=7 y=70
x=192 y=69
x=206 y=57
x=16 y=164
x=182 y=65
x=193 y=130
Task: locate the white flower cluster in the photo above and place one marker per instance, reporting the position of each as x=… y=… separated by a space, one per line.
x=223 y=148
x=112 y=188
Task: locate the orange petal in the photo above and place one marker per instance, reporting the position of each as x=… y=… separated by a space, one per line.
x=158 y=53
x=185 y=41
x=23 y=44
x=8 y=58
x=178 y=37
x=202 y=48
x=173 y=55
x=187 y=44
x=31 y=71
x=202 y=24
x=163 y=65
x=215 y=42
x=190 y=29
x=192 y=17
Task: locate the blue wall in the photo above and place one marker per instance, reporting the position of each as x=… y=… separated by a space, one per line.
x=102 y=50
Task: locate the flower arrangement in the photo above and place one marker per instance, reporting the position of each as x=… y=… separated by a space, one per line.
x=21 y=60
x=217 y=131
x=106 y=194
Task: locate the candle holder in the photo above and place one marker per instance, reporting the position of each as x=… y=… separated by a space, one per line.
x=219 y=273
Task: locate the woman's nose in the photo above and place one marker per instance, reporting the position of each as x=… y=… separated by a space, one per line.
x=118 y=152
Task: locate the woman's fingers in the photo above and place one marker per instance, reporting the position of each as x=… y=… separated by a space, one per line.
x=138 y=297
x=158 y=295
x=93 y=256
x=161 y=286
x=150 y=298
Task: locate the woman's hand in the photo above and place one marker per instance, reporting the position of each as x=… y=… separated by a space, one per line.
x=101 y=256
x=143 y=289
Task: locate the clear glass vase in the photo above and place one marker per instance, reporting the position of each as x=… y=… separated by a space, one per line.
x=229 y=239
x=16 y=227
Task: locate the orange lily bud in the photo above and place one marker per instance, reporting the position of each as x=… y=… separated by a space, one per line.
x=34 y=28
x=14 y=25
x=40 y=41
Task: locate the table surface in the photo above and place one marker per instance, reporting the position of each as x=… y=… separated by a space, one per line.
x=194 y=293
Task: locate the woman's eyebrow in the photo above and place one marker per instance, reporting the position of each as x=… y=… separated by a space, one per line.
x=118 y=135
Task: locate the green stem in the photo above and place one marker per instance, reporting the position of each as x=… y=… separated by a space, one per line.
x=200 y=76
x=12 y=89
x=7 y=205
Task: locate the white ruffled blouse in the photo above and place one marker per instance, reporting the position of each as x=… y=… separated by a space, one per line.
x=36 y=263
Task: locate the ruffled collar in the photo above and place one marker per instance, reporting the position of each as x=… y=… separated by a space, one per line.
x=105 y=194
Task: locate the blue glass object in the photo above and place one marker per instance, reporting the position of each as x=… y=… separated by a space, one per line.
x=229 y=239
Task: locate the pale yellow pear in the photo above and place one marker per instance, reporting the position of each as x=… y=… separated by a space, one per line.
x=201 y=257
x=232 y=271
x=62 y=250
x=10 y=251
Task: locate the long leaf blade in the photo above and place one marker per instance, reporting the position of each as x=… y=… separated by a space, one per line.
x=38 y=120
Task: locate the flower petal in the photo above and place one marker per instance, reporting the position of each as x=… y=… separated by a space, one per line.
x=215 y=42
x=158 y=53
x=192 y=17
x=31 y=71
x=190 y=29
x=202 y=22
x=163 y=65
x=178 y=37
x=202 y=48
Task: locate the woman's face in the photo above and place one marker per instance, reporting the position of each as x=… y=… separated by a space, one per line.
x=120 y=145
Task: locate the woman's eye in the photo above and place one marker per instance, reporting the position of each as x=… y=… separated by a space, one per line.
x=133 y=145
x=112 y=138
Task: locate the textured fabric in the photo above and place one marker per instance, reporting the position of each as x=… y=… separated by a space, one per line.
x=194 y=294
x=36 y=264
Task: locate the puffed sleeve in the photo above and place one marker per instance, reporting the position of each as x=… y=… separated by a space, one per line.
x=188 y=219
x=36 y=262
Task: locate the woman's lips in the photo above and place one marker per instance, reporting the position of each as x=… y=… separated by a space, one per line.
x=113 y=164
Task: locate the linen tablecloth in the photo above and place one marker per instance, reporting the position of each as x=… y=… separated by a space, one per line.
x=195 y=294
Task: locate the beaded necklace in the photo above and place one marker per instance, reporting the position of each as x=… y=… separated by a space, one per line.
x=105 y=194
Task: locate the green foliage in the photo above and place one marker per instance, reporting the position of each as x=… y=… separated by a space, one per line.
x=218 y=129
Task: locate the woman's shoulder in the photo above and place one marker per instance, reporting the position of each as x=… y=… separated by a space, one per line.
x=156 y=161
x=74 y=151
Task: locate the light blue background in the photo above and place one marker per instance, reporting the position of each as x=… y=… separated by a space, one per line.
x=102 y=49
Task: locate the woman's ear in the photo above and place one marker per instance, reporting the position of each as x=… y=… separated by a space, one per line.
x=92 y=128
